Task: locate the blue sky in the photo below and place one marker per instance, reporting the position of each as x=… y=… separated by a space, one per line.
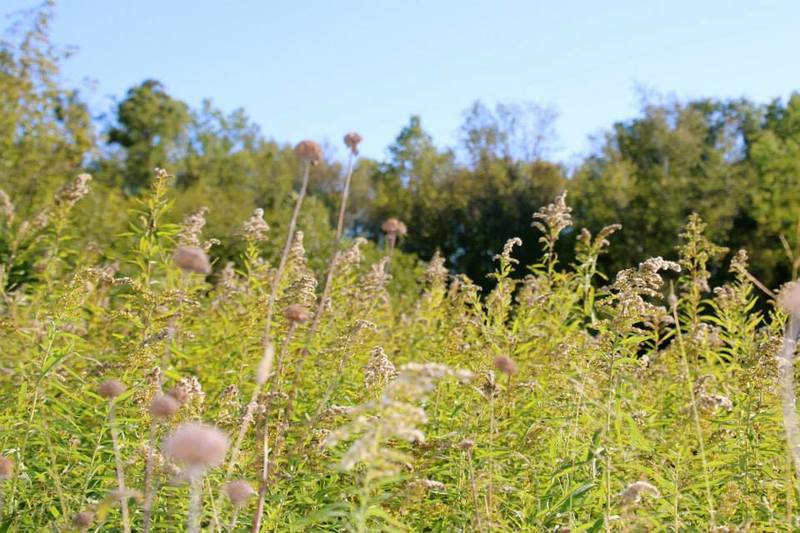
x=316 y=69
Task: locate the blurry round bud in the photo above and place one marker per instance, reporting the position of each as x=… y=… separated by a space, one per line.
x=111 y=388
x=789 y=299
x=83 y=520
x=394 y=226
x=308 y=151
x=466 y=444
x=297 y=313
x=6 y=468
x=197 y=445
x=192 y=259
x=505 y=364
x=164 y=406
x=239 y=491
x=179 y=393
x=352 y=140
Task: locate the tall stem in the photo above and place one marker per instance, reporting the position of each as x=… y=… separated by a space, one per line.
x=789 y=399
x=126 y=523
x=195 y=490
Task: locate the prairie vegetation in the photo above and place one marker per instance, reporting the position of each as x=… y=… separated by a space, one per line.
x=272 y=370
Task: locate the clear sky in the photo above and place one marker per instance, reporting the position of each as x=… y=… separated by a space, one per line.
x=318 y=68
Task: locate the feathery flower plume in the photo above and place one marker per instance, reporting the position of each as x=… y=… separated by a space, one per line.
x=255 y=229
x=379 y=370
x=192 y=227
x=633 y=493
x=192 y=259
x=789 y=299
x=308 y=151
x=70 y=194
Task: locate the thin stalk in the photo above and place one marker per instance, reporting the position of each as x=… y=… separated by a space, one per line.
x=696 y=416
x=149 y=484
x=265 y=471
x=126 y=521
x=195 y=491
x=234 y=519
x=788 y=396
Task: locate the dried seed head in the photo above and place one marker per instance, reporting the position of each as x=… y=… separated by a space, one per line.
x=111 y=388
x=466 y=444
x=352 y=140
x=297 y=314
x=164 y=406
x=6 y=468
x=789 y=299
x=197 y=445
x=395 y=227
x=255 y=228
x=180 y=394
x=239 y=491
x=192 y=259
x=633 y=493
x=83 y=520
x=505 y=364
x=308 y=151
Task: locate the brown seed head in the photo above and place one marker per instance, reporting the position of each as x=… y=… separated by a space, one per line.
x=297 y=314
x=111 y=388
x=505 y=364
x=180 y=394
x=308 y=151
x=393 y=226
x=164 y=406
x=239 y=491
x=352 y=140
x=466 y=444
x=197 y=445
x=83 y=520
x=192 y=259
x=6 y=468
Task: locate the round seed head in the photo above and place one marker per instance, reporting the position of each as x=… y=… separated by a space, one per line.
x=164 y=406
x=393 y=226
x=505 y=364
x=239 y=491
x=6 y=468
x=111 y=389
x=83 y=520
x=197 y=445
x=308 y=151
x=352 y=140
x=466 y=444
x=180 y=394
x=192 y=259
x=297 y=314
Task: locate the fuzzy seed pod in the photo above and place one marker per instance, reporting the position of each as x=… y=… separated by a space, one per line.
x=505 y=364
x=111 y=389
x=179 y=394
x=239 y=491
x=192 y=259
x=164 y=406
x=352 y=140
x=393 y=226
x=466 y=444
x=83 y=520
x=6 y=468
x=308 y=151
x=197 y=445
x=297 y=314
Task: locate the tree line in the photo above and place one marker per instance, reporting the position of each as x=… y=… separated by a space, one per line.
x=734 y=162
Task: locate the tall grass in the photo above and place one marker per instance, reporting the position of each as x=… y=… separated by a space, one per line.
x=564 y=399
